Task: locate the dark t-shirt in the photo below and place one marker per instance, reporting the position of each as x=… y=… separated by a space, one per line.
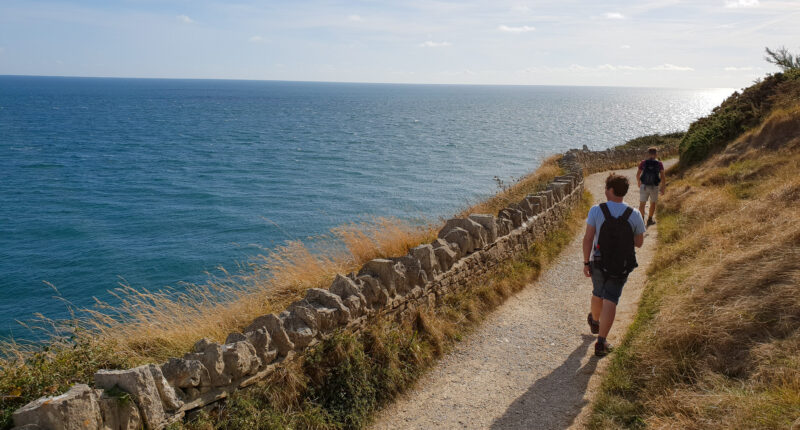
x=660 y=165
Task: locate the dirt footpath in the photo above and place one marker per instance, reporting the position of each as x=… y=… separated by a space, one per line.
x=531 y=364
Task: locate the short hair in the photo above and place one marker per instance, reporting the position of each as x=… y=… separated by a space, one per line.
x=619 y=183
x=652 y=150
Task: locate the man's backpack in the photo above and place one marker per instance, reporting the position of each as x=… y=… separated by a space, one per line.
x=615 y=243
x=651 y=173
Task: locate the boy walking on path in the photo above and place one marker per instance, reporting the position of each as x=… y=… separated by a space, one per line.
x=649 y=176
x=613 y=229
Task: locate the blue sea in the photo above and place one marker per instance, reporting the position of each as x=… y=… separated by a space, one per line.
x=154 y=182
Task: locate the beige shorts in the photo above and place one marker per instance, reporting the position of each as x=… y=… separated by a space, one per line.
x=648 y=192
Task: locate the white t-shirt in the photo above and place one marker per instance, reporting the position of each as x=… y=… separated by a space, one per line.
x=596 y=219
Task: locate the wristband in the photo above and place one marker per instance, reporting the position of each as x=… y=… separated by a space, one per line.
x=585 y=263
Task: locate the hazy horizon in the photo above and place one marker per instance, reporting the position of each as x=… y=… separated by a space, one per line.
x=656 y=43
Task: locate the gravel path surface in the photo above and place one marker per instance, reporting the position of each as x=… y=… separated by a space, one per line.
x=531 y=364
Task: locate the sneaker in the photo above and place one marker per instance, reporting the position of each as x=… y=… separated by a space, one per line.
x=650 y=221
x=594 y=326
x=602 y=349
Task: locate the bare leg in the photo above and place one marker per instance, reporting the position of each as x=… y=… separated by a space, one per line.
x=597 y=307
x=606 y=316
x=641 y=207
x=652 y=209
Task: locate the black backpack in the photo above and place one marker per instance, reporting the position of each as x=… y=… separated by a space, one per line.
x=615 y=243
x=651 y=173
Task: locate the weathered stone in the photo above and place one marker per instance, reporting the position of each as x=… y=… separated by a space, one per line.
x=548 y=199
x=446 y=256
x=119 y=413
x=139 y=383
x=526 y=208
x=427 y=260
x=184 y=373
x=209 y=353
x=462 y=238
x=351 y=295
x=240 y=359
x=168 y=396
x=376 y=295
x=474 y=229
x=261 y=341
x=515 y=215
x=77 y=409
x=329 y=306
x=277 y=333
x=413 y=272
x=504 y=224
x=535 y=202
x=390 y=274
x=235 y=337
x=297 y=329
x=489 y=225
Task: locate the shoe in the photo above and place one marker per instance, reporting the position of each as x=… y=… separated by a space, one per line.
x=602 y=349
x=650 y=221
x=594 y=326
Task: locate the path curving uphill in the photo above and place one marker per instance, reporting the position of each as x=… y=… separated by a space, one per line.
x=531 y=364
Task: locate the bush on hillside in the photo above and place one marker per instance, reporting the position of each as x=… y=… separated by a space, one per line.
x=737 y=114
x=657 y=140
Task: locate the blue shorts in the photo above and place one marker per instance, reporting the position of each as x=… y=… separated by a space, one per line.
x=607 y=288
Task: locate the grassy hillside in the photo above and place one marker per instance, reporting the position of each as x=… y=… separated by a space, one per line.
x=716 y=341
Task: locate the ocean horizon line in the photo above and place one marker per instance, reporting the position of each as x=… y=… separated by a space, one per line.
x=356 y=82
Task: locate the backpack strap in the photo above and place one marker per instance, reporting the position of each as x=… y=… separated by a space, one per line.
x=625 y=215
x=606 y=213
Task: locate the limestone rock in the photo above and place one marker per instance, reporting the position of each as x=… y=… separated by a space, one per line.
x=445 y=255
x=413 y=272
x=209 y=353
x=330 y=308
x=168 y=396
x=427 y=260
x=462 y=238
x=297 y=329
x=77 y=409
x=261 y=341
x=119 y=413
x=235 y=337
x=240 y=359
x=489 y=225
x=351 y=295
x=184 y=373
x=475 y=230
x=376 y=295
x=277 y=333
x=139 y=383
x=391 y=274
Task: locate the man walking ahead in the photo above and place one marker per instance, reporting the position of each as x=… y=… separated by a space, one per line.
x=612 y=230
x=650 y=174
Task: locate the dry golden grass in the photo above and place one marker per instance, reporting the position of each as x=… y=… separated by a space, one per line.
x=717 y=340
x=515 y=192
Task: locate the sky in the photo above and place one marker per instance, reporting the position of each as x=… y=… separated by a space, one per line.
x=654 y=43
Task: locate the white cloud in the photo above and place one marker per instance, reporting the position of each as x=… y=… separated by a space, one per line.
x=521 y=29
x=672 y=68
x=256 y=39
x=522 y=8
x=432 y=44
x=737 y=69
x=624 y=46
x=185 y=19
x=741 y=3
x=614 y=15
x=355 y=18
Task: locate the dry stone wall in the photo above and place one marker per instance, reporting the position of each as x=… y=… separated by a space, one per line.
x=614 y=158
x=153 y=396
